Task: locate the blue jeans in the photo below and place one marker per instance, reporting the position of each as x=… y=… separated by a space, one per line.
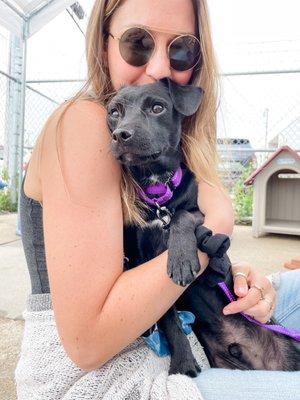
x=225 y=384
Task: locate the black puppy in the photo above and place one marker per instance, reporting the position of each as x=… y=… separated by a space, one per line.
x=146 y=134
x=232 y=341
x=145 y=122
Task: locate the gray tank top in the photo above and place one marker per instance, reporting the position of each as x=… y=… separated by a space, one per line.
x=31 y=220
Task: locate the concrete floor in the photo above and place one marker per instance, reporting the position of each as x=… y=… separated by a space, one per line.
x=14 y=277
x=268 y=253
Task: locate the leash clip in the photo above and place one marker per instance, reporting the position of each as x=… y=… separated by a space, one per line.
x=164 y=215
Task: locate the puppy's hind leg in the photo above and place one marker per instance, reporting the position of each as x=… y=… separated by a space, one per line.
x=182 y=358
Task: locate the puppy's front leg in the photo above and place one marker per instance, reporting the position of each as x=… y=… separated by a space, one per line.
x=183 y=262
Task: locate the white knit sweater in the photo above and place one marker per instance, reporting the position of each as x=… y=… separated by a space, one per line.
x=45 y=372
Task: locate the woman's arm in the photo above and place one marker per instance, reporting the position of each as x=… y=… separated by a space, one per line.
x=98 y=308
x=217 y=208
x=219 y=217
x=218 y=213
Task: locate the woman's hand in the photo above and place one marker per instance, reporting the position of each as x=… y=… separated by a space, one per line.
x=257 y=297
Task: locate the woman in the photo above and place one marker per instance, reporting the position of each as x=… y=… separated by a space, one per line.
x=82 y=340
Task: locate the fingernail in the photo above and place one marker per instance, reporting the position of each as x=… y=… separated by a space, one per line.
x=226 y=311
x=242 y=290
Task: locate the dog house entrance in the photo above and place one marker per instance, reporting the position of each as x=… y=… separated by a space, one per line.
x=282 y=208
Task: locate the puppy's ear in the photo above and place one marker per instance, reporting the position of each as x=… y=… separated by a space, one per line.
x=186 y=98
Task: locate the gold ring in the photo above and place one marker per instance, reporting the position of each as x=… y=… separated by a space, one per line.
x=260 y=289
x=240 y=274
x=269 y=302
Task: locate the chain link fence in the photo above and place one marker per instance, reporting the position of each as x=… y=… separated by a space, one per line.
x=261 y=106
x=258 y=113
x=42 y=98
x=4 y=44
x=4 y=82
x=247 y=133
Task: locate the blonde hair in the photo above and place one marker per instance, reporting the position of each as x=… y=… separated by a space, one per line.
x=198 y=131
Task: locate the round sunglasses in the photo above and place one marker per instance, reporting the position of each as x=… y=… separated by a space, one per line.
x=136 y=46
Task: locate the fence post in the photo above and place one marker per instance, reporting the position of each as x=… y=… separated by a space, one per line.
x=13 y=136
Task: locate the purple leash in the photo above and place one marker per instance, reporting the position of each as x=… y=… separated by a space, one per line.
x=275 y=328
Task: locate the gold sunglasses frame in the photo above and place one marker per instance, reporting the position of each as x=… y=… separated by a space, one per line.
x=154 y=41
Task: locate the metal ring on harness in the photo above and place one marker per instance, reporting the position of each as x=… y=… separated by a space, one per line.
x=164 y=215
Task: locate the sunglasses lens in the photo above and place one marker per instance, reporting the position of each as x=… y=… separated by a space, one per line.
x=184 y=53
x=136 y=46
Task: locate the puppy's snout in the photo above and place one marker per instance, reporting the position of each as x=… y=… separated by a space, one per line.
x=122 y=135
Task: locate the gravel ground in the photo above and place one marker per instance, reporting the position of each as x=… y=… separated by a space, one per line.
x=10 y=340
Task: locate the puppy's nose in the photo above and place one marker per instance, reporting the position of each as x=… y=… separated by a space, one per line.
x=122 y=135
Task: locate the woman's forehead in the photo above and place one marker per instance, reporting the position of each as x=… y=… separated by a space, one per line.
x=158 y=29
x=171 y=16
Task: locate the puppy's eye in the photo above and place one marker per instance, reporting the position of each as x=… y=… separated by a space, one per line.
x=235 y=350
x=157 y=108
x=114 y=113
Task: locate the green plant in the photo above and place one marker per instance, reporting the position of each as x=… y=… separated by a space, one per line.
x=243 y=197
x=6 y=203
x=4 y=175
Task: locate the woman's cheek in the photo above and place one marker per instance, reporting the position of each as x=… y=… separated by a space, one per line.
x=123 y=74
x=182 y=78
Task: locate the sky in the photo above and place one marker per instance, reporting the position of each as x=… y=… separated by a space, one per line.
x=256 y=35
x=254 y=20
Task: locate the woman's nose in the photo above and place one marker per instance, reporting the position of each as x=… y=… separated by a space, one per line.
x=159 y=64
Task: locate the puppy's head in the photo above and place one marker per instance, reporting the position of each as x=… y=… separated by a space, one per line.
x=145 y=121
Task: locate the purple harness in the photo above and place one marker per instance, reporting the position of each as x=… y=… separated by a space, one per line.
x=275 y=328
x=161 y=192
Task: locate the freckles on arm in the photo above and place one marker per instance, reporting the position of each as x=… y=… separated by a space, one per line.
x=217 y=208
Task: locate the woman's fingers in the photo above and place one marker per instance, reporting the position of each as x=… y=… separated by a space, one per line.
x=265 y=307
x=256 y=295
x=262 y=311
x=240 y=272
x=243 y=303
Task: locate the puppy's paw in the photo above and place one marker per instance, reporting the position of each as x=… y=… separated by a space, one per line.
x=188 y=367
x=183 y=265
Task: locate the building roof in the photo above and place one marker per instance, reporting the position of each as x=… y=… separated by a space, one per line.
x=254 y=174
x=13 y=14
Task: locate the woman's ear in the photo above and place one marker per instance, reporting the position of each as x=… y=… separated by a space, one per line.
x=186 y=98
